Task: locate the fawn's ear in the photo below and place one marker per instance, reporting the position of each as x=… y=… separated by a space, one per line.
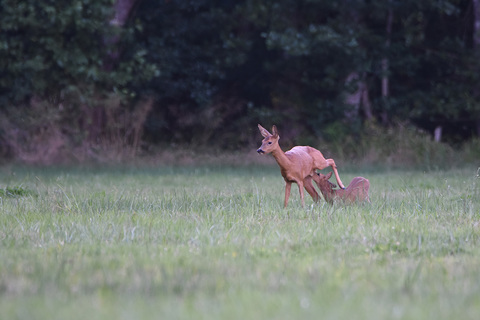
x=329 y=175
x=275 y=131
x=263 y=131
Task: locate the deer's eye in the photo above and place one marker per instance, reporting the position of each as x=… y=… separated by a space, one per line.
x=270 y=142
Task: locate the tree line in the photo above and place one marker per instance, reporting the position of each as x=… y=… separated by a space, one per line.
x=86 y=74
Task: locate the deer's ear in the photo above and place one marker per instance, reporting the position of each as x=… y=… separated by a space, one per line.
x=275 y=131
x=263 y=131
x=329 y=175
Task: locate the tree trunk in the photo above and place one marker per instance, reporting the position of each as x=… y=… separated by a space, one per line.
x=437 y=135
x=122 y=11
x=359 y=99
x=101 y=119
x=385 y=67
x=476 y=23
x=366 y=104
x=476 y=45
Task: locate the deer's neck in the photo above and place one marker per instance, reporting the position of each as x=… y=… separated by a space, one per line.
x=281 y=158
x=327 y=192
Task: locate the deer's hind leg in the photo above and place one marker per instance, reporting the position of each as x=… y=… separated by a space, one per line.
x=307 y=182
x=331 y=163
x=321 y=163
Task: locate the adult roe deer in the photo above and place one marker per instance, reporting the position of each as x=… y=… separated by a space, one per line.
x=357 y=190
x=296 y=165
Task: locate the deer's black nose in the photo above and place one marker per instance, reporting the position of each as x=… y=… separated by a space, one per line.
x=260 y=151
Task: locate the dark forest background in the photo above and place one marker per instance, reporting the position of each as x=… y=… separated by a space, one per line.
x=96 y=79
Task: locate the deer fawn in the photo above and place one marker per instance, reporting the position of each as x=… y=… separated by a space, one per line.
x=357 y=190
x=296 y=165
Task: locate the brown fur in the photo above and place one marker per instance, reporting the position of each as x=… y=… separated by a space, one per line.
x=296 y=165
x=357 y=190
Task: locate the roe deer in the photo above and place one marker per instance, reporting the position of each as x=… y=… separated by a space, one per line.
x=357 y=190
x=296 y=165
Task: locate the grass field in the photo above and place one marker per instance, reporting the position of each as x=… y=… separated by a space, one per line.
x=216 y=243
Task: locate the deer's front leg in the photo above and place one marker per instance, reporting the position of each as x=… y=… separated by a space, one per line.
x=288 y=186
x=300 y=188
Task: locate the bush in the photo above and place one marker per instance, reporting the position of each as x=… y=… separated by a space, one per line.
x=397 y=146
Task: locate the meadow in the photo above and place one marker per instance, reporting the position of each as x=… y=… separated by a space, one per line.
x=214 y=242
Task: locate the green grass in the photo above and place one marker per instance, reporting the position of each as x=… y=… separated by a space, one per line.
x=17 y=191
x=216 y=243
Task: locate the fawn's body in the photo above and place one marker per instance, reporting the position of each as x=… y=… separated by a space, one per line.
x=296 y=165
x=357 y=190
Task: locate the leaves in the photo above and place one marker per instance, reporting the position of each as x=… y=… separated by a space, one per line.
x=291 y=58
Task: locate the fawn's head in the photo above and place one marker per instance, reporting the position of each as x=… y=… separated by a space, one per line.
x=270 y=142
x=322 y=181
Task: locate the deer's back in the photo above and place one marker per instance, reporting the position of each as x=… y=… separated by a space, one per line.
x=319 y=161
x=357 y=190
x=301 y=162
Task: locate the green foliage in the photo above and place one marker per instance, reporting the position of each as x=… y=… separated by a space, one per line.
x=50 y=46
x=212 y=65
x=57 y=49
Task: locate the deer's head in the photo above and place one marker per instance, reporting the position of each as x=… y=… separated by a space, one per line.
x=270 y=142
x=322 y=181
